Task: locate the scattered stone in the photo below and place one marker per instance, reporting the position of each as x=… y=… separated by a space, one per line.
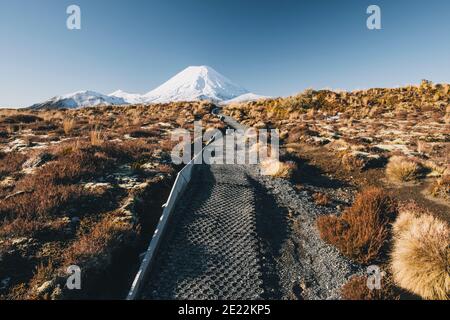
x=37 y=161
x=97 y=185
x=19 y=241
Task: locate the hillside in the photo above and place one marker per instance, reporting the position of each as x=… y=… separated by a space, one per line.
x=83 y=187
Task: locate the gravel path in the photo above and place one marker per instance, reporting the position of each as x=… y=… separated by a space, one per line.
x=305 y=266
x=308 y=267
x=212 y=249
x=239 y=235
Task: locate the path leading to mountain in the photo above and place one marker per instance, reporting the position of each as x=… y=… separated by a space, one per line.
x=237 y=235
x=212 y=250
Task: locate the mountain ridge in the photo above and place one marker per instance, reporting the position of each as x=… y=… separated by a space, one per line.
x=79 y=99
x=194 y=83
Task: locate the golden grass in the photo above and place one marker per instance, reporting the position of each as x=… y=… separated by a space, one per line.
x=401 y=169
x=420 y=259
x=275 y=168
x=96 y=137
x=68 y=125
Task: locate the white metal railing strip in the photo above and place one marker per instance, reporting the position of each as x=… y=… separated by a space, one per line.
x=180 y=184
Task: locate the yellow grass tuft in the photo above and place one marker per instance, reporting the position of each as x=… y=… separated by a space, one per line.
x=275 y=168
x=96 y=137
x=401 y=169
x=420 y=258
x=68 y=125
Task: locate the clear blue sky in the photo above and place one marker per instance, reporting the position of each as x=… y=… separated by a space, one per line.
x=270 y=47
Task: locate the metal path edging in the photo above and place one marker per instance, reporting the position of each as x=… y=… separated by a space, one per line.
x=182 y=180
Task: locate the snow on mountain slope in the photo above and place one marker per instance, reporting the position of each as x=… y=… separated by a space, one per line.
x=195 y=83
x=78 y=100
x=131 y=98
x=245 y=98
x=192 y=84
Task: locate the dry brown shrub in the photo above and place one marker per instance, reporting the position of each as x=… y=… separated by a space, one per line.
x=29 y=213
x=140 y=133
x=18 y=292
x=420 y=259
x=11 y=162
x=74 y=165
x=321 y=199
x=22 y=118
x=43 y=273
x=20 y=227
x=93 y=250
x=352 y=161
x=53 y=189
x=362 y=230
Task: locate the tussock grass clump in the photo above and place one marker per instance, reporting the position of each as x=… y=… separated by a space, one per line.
x=401 y=169
x=441 y=188
x=352 y=161
x=68 y=125
x=96 y=137
x=420 y=259
x=361 y=232
x=276 y=168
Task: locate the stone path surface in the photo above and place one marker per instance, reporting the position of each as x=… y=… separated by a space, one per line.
x=238 y=235
x=212 y=250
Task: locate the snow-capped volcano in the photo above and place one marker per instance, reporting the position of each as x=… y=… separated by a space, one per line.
x=192 y=84
x=196 y=83
x=79 y=99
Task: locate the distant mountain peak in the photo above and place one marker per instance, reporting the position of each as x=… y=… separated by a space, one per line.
x=86 y=98
x=194 y=83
